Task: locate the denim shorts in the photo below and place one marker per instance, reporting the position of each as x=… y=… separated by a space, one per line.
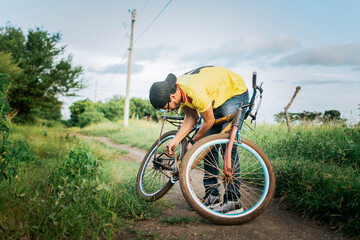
x=229 y=107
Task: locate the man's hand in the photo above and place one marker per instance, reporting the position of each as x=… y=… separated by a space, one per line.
x=170 y=148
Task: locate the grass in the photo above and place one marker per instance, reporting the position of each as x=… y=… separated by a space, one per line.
x=317 y=170
x=70 y=189
x=53 y=196
x=317 y=166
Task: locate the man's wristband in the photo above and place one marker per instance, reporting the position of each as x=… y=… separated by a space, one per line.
x=192 y=141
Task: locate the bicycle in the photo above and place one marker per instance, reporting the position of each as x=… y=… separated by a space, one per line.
x=241 y=167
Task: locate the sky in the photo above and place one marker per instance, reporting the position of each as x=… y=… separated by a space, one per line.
x=312 y=44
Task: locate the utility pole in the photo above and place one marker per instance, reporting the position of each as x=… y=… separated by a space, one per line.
x=127 y=97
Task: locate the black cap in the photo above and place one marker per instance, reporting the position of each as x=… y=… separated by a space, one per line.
x=160 y=91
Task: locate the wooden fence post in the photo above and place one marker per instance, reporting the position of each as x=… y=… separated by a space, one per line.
x=287 y=118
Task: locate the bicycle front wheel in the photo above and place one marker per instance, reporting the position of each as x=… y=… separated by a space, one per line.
x=158 y=172
x=237 y=198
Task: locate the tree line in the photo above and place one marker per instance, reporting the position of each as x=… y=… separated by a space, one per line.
x=86 y=112
x=315 y=117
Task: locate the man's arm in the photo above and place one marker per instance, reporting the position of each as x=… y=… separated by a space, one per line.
x=191 y=116
x=209 y=119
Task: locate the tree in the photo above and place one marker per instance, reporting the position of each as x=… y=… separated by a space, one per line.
x=114 y=108
x=77 y=108
x=91 y=115
x=4 y=104
x=332 y=116
x=46 y=73
x=8 y=69
x=306 y=116
x=143 y=108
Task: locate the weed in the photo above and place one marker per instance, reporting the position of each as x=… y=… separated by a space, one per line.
x=317 y=169
x=130 y=205
x=74 y=190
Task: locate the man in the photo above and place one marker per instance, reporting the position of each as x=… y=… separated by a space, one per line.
x=213 y=92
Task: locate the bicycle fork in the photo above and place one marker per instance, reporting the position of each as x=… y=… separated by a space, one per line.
x=234 y=130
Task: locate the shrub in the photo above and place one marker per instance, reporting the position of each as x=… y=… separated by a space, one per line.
x=16 y=152
x=90 y=116
x=113 y=109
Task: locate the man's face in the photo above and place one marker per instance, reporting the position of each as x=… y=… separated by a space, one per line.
x=174 y=104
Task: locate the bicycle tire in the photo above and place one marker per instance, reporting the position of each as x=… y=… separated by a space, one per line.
x=256 y=187
x=153 y=180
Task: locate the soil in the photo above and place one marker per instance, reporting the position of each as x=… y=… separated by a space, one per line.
x=277 y=222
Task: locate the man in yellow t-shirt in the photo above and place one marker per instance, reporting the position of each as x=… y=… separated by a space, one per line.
x=213 y=92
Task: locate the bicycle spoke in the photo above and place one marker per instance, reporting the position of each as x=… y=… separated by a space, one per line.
x=244 y=189
x=157 y=172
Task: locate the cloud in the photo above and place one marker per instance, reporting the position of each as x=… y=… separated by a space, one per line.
x=343 y=55
x=120 y=68
x=250 y=49
x=153 y=53
x=327 y=82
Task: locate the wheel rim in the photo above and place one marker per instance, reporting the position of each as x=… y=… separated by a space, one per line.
x=254 y=183
x=155 y=175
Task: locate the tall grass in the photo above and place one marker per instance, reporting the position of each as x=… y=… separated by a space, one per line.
x=73 y=190
x=317 y=169
x=317 y=166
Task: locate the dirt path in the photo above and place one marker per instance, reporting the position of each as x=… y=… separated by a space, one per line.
x=275 y=223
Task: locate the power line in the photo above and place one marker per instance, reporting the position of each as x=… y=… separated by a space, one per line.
x=143 y=8
x=116 y=70
x=157 y=16
x=147 y=28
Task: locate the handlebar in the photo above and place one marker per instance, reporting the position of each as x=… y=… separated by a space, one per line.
x=254 y=83
x=254 y=80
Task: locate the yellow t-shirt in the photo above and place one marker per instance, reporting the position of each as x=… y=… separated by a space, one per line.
x=204 y=85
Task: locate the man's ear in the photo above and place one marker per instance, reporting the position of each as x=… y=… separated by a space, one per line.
x=173 y=96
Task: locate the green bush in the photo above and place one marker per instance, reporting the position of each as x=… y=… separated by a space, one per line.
x=113 y=109
x=85 y=112
x=17 y=152
x=90 y=116
x=12 y=152
x=77 y=108
x=4 y=104
x=80 y=165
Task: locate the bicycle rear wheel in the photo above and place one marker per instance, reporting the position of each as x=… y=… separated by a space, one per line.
x=157 y=175
x=252 y=182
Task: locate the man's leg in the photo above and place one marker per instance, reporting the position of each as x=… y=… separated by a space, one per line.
x=211 y=163
x=230 y=106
